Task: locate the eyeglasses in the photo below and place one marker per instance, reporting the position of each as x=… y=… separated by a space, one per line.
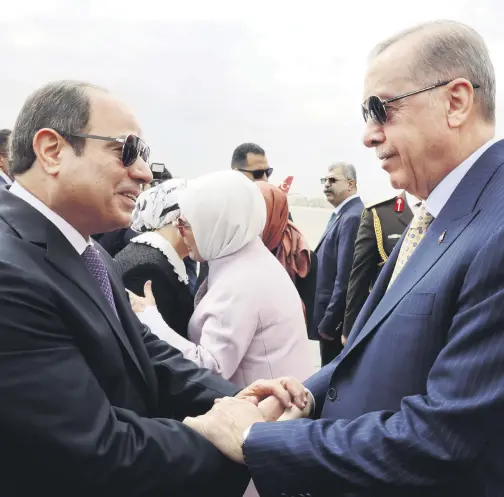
x=132 y=146
x=258 y=173
x=376 y=108
x=330 y=179
x=182 y=225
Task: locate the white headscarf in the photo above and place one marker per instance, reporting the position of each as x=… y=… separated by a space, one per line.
x=226 y=211
x=158 y=206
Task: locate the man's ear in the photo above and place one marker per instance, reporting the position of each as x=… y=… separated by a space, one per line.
x=48 y=145
x=460 y=101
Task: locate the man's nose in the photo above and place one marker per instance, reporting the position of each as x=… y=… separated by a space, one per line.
x=141 y=171
x=373 y=134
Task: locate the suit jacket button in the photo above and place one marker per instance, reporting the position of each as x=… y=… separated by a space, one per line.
x=332 y=394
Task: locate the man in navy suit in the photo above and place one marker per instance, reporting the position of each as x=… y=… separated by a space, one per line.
x=335 y=255
x=414 y=405
x=4 y=157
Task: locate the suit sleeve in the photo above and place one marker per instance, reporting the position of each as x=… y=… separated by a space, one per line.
x=55 y=413
x=365 y=262
x=332 y=322
x=227 y=330
x=306 y=288
x=453 y=427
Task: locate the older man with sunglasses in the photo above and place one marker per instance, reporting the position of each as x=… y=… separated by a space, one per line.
x=91 y=401
x=414 y=404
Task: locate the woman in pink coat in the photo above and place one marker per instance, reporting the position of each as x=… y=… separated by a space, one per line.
x=248 y=321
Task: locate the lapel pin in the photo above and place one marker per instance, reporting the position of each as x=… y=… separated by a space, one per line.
x=441 y=238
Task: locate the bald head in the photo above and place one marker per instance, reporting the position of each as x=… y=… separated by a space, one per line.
x=445 y=50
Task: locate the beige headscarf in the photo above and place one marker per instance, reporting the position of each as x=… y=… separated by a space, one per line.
x=226 y=211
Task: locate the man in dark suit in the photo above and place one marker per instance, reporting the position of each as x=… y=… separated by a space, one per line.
x=381 y=226
x=91 y=400
x=414 y=404
x=4 y=157
x=335 y=254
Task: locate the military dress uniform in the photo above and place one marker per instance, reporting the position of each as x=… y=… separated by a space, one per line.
x=382 y=224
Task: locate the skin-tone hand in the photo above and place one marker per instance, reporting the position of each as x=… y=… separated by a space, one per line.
x=224 y=424
x=287 y=390
x=273 y=410
x=139 y=304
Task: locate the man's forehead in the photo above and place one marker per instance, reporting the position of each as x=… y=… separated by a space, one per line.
x=256 y=159
x=388 y=72
x=334 y=173
x=111 y=115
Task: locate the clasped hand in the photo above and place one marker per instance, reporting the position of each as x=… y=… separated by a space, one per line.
x=264 y=400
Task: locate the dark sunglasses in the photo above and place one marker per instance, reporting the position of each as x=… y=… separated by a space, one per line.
x=258 y=173
x=376 y=108
x=330 y=179
x=132 y=146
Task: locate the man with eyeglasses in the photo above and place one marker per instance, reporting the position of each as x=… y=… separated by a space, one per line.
x=91 y=401
x=250 y=159
x=414 y=404
x=335 y=254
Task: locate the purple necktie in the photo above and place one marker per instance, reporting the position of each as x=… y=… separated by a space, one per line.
x=96 y=266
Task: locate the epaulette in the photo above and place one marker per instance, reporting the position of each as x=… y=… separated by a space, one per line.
x=379 y=202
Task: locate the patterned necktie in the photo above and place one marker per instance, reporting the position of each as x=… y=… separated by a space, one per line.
x=96 y=266
x=419 y=225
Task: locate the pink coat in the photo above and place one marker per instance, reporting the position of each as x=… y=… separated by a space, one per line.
x=248 y=323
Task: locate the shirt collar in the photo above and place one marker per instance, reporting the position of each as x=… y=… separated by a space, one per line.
x=412 y=200
x=77 y=241
x=159 y=242
x=443 y=191
x=338 y=208
x=5 y=177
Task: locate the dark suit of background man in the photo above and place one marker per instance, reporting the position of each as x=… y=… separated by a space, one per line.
x=91 y=400
x=335 y=254
x=381 y=226
x=4 y=157
x=414 y=405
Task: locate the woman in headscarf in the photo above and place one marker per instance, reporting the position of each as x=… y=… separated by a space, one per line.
x=248 y=321
x=289 y=246
x=157 y=254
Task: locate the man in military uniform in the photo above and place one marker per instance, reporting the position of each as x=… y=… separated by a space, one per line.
x=382 y=224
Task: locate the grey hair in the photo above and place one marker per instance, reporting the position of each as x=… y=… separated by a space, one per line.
x=450 y=50
x=63 y=106
x=348 y=170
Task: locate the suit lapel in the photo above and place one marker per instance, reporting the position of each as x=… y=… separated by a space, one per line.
x=329 y=229
x=456 y=215
x=331 y=226
x=419 y=264
x=68 y=262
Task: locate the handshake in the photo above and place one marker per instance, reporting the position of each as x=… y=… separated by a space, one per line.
x=226 y=424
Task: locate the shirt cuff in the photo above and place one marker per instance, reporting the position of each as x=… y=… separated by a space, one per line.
x=312 y=403
x=246 y=433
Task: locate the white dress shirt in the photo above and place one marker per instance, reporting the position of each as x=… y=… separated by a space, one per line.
x=443 y=191
x=338 y=208
x=5 y=178
x=77 y=241
x=413 y=202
